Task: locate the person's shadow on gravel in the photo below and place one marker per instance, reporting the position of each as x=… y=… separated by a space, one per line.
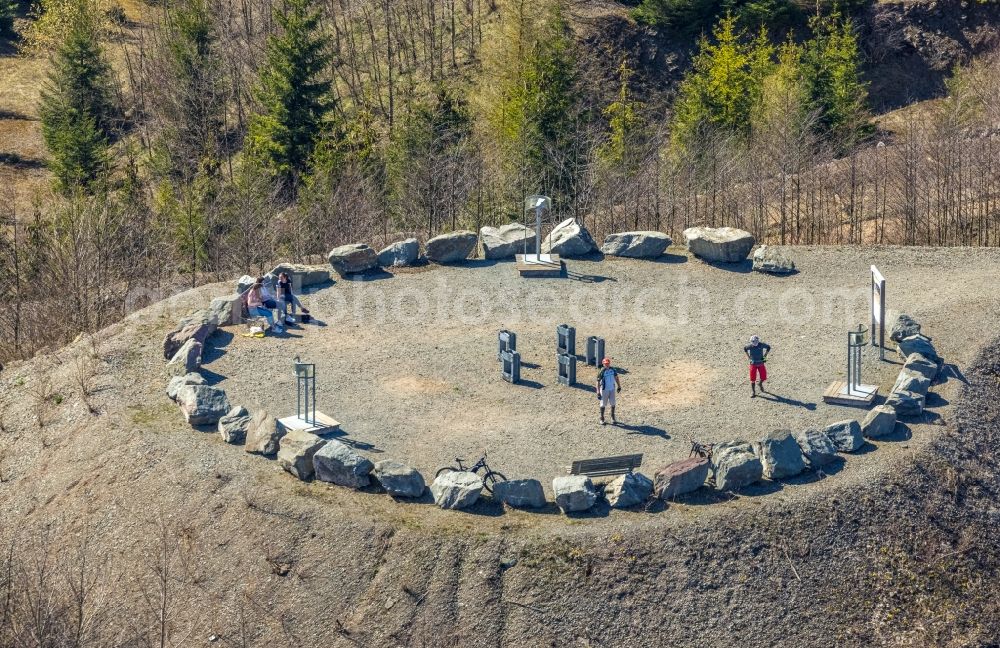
x=782 y=400
x=648 y=430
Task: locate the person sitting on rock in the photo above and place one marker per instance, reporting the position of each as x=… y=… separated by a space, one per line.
x=607 y=382
x=757 y=353
x=267 y=296
x=288 y=298
x=256 y=306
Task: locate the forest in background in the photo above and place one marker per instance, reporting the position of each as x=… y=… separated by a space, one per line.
x=213 y=137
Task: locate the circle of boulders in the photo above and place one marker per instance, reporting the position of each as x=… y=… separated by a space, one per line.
x=731 y=466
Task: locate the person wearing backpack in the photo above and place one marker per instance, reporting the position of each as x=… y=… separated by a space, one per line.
x=608 y=385
x=757 y=353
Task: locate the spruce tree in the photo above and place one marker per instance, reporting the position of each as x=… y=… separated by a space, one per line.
x=77 y=109
x=8 y=10
x=293 y=96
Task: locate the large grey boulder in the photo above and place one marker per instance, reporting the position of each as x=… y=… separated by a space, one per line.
x=569 y=239
x=900 y=325
x=816 y=447
x=917 y=344
x=197 y=326
x=339 y=464
x=772 y=260
x=244 y=284
x=263 y=435
x=520 y=493
x=906 y=403
x=735 y=466
x=719 y=244
x=456 y=489
x=507 y=241
x=400 y=254
x=353 y=258
x=453 y=247
x=879 y=422
x=296 y=451
x=202 y=404
x=574 y=493
x=845 y=435
x=917 y=363
x=234 y=425
x=399 y=480
x=187 y=359
x=911 y=380
x=227 y=310
x=301 y=275
x=175 y=384
x=636 y=245
x=631 y=489
x=780 y=455
x=680 y=477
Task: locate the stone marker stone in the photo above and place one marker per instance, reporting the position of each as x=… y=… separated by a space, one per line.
x=735 y=466
x=226 y=310
x=719 y=244
x=900 y=325
x=175 y=384
x=845 y=435
x=263 y=435
x=202 y=405
x=196 y=326
x=910 y=380
x=906 y=403
x=456 y=489
x=352 y=259
x=923 y=365
x=680 y=477
x=296 y=451
x=234 y=425
x=780 y=455
x=917 y=344
x=399 y=480
x=339 y=464
x=520 y=493
x=636 y=245
x=453 y=247
x=574 y=493
x=507 y=241
x=400 y=254
x=187 y=359
x=772 y=260
x=630 y=489
x=879 y=422
x=569 y=239
x=816 y=447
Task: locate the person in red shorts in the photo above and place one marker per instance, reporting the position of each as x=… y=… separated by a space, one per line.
x=757 y=353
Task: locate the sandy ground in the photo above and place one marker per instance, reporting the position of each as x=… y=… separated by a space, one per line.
x=408 y=364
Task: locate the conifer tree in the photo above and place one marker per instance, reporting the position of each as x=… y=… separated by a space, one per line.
x=293 y=95
x=77 y=109
x=8 y=9
x=623 y=120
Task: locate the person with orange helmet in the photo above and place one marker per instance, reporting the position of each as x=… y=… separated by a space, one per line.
x=608 y=385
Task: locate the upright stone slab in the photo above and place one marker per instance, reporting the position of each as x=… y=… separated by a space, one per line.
x=630 y=489
x=772 y=260
x=574 y=493
x=911 y=381
x=296 y=451
x=453 y=247
x=234 y=425
x=338 y=463
x=569 y=239
x=719 y=244
x=736 y=466
x=263 y=435
x=399 y=480
x=202 y=404
x=906 y=403
x=780 y=455
x=198 y=326
x=520 y=493
x=187 y=359
x=917 y=363
x=917 y=344
x=456 y=489
x=680 y=477
x=352 y=259
x=507 y=241
x=227 y=310
x=816 y=447
x=400 y=254
x=177 y=382
x=245 y=283
x=880 y=422
x=636 y=245
x=900 y=325
x=845 y=435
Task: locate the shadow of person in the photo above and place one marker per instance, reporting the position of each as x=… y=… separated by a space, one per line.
x=647 y=430
x=783 y=400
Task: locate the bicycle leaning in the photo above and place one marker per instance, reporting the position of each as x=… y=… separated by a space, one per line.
x=490 y=477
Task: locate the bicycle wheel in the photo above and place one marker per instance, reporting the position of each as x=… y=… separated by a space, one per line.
x=491 y=479
x=444 y=470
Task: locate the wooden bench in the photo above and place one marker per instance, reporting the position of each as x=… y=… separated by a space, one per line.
x=606 y=465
